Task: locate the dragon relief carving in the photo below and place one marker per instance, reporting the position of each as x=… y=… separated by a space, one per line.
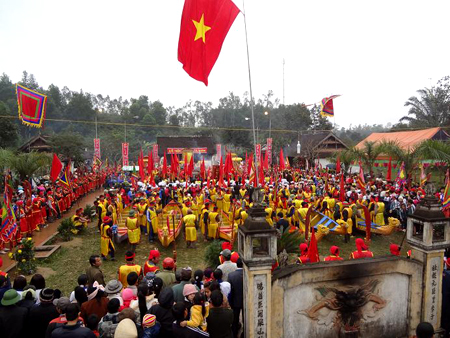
x=345 y=308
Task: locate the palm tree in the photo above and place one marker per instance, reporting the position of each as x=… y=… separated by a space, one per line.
x=430 y=109
x=346 y=157
x=368 y=154
x=426 y=150
x=27 y=164
x=5 y=159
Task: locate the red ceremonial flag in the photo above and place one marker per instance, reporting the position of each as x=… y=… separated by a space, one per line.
x=261 y=175
x=56 y=168
x=282 y=167
x=164 y=168
x=204 y=26
x=338 y=165
x=361 y=181
x=141 y=166
x=186 y=165
x=250 y=164
x=389 y=170
x=313 y=252
x=266 y=160
x=150 y=163
x=191 y=165
x=202 y=169
x=221 y=170
x=341 y=189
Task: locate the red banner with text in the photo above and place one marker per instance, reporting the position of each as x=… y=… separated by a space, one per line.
x=97 y=148
x=269 y=149
x=125 y=154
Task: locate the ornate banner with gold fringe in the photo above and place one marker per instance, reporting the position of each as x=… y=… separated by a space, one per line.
x=32 y=106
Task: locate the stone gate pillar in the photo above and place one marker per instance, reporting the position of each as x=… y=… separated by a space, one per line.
x=428 y=233
x=257 y=246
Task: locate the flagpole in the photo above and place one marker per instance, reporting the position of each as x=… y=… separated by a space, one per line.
x=251 y=93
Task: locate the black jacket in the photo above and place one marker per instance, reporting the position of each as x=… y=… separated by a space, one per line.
x=236 y=297
x=219 y=322
x=12 y=321
x=72 y=331
x=163 y=312
x=39 y=317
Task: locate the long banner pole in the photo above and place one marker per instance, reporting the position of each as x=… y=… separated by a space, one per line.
x=251 y=93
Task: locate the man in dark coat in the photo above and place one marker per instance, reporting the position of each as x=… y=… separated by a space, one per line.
x=163 y=312
x=12 y=316
x=41 y=314
x=236 y=298
x=73 y=328
x=220 y=319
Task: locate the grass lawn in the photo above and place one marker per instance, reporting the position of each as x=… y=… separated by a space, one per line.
x=62 y=268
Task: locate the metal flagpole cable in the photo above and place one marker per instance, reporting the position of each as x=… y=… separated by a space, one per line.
x=251 y=94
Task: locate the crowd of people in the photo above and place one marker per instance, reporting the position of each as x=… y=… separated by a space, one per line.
x=144 y=301
x=149 y=301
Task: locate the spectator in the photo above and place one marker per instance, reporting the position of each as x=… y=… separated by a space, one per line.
x=61 y=306
x=207 y=275
x=41 y=314
x=151 y=326
x=424 y=330
x=189 y=292
x=220 y=319
x=80 y=296
x=198 y=279
x=82 y=282
x=186 y=275
x=163 y=312
x=167 y=275
x=227 y=266
x=92 y=324
x=94 y=274
x=199 y=312
x=132 y=280
x=38 y=281
x=224 y=286
x=180 y=313
x=28 y=297
x=96 y=304
x=12 y=316
x=19 y=283
x=108 y=324
x=113 y=290
x=144 y=301
x=127 y=327
x=72 y=328
x=236 y=280
x=128 y=297
x=4 y=286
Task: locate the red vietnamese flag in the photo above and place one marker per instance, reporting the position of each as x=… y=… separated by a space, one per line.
x=56 y=168
x=338 y=165
x=204 y=26
x=203 y=170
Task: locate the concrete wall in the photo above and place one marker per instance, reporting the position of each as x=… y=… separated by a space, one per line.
x=306 y=303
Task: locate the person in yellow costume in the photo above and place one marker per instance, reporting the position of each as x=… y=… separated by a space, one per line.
x=134 y=233
x=79 y=221
x=190 y=230
x=152 y=221
x=112 y=209
x=301 y=215
x=269 y=215
x=219 y=200
x=129 y=267
x=186 y=206
x=227 y=201
x=141 y=209
x=213 y=223
x=379 y=213
x=106 y=244
x=204 y=216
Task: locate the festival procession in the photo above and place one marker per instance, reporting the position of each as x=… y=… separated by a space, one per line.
x=252 y=218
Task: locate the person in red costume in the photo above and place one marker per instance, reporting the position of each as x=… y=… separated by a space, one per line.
x=152 y=264
x=303 y=258
x=362 y=250
x=334 y=254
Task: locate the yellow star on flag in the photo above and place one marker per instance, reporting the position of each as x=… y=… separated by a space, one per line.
x=201 y=29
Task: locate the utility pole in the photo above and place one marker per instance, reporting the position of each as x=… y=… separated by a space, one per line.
x=283 y=81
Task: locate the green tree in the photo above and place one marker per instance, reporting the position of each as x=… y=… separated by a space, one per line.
x=431 y=108
x=27 y=164
x=369 y=153
x=9 y=131
x=69 y=144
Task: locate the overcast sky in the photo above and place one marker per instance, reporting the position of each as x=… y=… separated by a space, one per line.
x=375 y=53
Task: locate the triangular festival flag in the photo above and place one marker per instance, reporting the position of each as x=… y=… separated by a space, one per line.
x=31 y=105
x=204 y=26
